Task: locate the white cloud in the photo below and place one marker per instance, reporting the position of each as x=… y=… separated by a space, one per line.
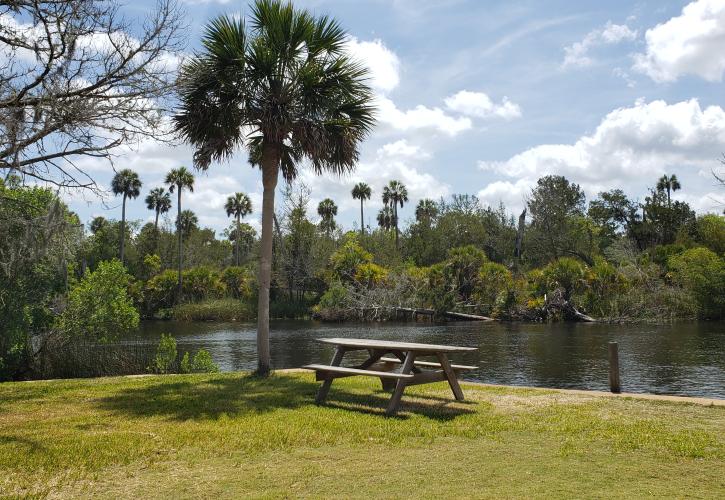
x=383 y=63
x=402 y=149
x=691 y=43
x=420 y=117
x=512 y=194
x=479 y=105
x=629 y=149
x=577 y=54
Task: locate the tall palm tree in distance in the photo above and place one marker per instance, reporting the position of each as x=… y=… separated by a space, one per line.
x=238 y=206
x=426 y=211
x=187 y=221
x=282 y=85
x=668 y=183
x=361 y=192
x=385 y=218
x=127 y=184
x=178 y=179
x=159 y=201
x=327 y=210
x=395 y=194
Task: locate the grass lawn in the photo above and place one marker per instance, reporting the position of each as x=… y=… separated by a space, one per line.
x=232 y=435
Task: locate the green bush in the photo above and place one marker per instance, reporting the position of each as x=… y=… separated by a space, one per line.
x=160 y=291
x=345 y=261
x=165 y=358
x=335 y=297
x=201 y=363
x=99 y=306
x=565 y=273
x=702 y=272
x=200 y=283
x=493 y=280
x=238 y=282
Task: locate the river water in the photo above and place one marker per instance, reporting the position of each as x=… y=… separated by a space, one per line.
x=684 y=359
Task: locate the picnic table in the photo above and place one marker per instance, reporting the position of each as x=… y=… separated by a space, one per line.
x=404 y=355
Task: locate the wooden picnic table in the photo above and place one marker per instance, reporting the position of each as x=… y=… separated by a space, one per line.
x=412 y=371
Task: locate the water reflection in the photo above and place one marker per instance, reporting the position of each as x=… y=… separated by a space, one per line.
x=670 y=359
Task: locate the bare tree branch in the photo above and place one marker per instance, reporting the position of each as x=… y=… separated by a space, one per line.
x=79 y=80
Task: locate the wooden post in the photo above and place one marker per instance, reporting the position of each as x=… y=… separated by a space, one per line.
x=614 y=385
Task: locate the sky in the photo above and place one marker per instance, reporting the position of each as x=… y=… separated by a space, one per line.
x=485 y=97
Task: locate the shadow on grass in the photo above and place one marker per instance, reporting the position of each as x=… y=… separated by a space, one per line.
x=248 y=394
x=211 y=398
x=377 y=403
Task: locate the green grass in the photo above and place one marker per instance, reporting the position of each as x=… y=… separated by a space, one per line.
x=233 y=435
x=214 y=310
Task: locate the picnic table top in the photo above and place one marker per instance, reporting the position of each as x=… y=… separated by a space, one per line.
x=394 y=346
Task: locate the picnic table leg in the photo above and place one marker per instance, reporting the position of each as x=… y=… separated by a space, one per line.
x=451 y=376
x=325 y=387
x=400 y=386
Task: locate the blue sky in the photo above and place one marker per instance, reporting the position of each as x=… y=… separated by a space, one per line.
x=484 y=97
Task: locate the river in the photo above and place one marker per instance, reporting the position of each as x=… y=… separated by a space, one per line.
x=683 y=358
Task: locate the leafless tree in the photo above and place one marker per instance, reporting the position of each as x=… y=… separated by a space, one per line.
x=78 y=80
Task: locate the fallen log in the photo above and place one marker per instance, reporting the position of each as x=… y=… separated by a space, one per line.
x=472 y=317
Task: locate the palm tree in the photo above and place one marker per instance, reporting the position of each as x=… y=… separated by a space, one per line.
x=239 y=206
x=668 y=183
x=361 y=192
x=327 y=210
x=426 y=211
x=159 y=201
x=187 y=221
x=283 y=86
x=395 y=194
x=127 y=184
x=178 y=179
x=385 y=218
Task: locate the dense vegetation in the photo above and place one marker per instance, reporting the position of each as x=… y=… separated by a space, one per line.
x=613 y=260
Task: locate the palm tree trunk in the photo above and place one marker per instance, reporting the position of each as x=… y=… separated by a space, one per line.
x=156 y=221
x=395 y=215
x=270 y=170
x=362 y=220
x=178 y=233
x=123 y=225
x=669 y=203
x=237 y=239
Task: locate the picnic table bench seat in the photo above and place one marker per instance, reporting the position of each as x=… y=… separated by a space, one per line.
x=343 y=371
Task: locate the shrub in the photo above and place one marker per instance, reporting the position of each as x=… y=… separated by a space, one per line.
x=345 y=261
x=201 y=283
x=99 y=306
x=462 y=267
x=151 y=265
x=160 y=291
x=369 y=274
x=165 y=358
x=565 y=273
x=605 y=284
x=493 y=280
x=702 y=272
x=237 y=281
x=202 y=363
x=335 y=297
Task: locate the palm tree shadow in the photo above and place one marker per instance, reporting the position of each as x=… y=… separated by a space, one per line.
x=212 y=398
